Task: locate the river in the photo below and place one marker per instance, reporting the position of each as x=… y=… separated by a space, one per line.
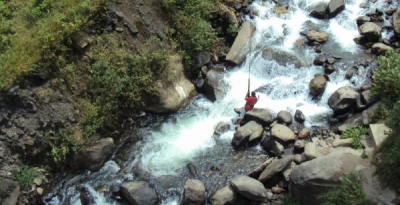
x=168 y=145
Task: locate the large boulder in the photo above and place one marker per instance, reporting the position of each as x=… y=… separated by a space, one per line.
x=335 y=7
x=240 y=46
x=282 y=57
x=94 y=157
x=173 y=94
x=396 y=22
x=273 y=146
x=214 y=85
x=343 y=99
x=260 y=115
x=380 y=48
x=139 y=193
x=249 y=188
x=317 y=85
x=282 y=133
x=319 y=11
x=275 y=167
x=371 y=31
x=284 y=117
x=194 y=193
x=224 y=195
x=316 y=36
x=311 y=180
x=9 y=192
x=250 y=132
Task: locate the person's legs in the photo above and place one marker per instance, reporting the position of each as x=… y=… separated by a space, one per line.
x=241 y=116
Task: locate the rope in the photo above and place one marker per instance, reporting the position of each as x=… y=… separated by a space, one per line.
x=248 y=87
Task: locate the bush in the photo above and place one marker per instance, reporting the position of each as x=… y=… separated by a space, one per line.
x=62 y=144
x=355 y=134
x=387 y=89
x=35 y=34
x=349 y=192
x=25 y=176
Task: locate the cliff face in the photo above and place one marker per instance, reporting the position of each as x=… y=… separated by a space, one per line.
x=32 y=113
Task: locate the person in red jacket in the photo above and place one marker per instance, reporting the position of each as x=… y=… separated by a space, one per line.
x=250 y=102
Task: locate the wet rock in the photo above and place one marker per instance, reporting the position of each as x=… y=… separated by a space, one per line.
x=9 y=192
x=215 y=87
x=282 y=133
x=249 y=188
x=284 y=117
x=304 y=133
x=202 y=59
x=363 y=19
x=282 y=57
x=139 y=193
x=316 y=36
x=94 y=157
x=194 y=192
x=319 y=11
x=335 y=7
x=170 y=97
x=328 y=69
x=299 y=116
x=275 y=167
x=86 y=196
x=273 y=146
x=371 y=31
x=250 y=132
x=327 y=171
x=240 y=48
x=317 y=85
x=260 y=115
x=343 y=99
x=224 y=195
x=380 y=48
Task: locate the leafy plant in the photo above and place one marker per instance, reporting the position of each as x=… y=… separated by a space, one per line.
x=25 y=176
x=355 y=133
x=349 y=192
x=62 y=144
x=387 y=89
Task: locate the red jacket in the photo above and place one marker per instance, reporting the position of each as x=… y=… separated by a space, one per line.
x=250 y=102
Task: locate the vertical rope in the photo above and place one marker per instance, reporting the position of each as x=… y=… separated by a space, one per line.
x=248 y=87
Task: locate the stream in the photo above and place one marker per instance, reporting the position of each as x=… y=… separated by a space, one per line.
x=169 y=145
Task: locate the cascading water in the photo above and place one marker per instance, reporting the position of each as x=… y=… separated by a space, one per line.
x=165 y=150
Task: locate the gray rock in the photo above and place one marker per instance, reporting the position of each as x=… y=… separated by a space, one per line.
x=249 y=188
x=194 y=192
x=335 y=7
x=139 y=193
x=94 y=157
x=275 y=167
x=282 y=133
x=251 y=131
x=342 y=99
x=9 y=192
x=224 y=195
x=284 y=117
x=240 y=47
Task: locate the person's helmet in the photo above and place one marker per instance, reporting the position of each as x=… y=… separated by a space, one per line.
x=253 y=93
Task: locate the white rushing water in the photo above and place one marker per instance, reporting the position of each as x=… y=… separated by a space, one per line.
x=188 y=133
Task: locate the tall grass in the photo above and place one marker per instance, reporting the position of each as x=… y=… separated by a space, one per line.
x=36 y=34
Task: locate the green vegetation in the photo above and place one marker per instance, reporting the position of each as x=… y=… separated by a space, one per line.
x=387 y=89
x=36 y=33
x=349 y=192
x=25 y=176
x=191 y=26
x=289 y=201
x=62 y=144
x=355 y=134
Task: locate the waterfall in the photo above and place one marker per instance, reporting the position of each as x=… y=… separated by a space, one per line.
x=186 y=136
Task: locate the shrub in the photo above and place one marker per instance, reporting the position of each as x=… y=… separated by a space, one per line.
x=25 y=176
x=349 y=192
x=387 y=89
x=62 y=144
x=289 y=201
x=355 y=134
